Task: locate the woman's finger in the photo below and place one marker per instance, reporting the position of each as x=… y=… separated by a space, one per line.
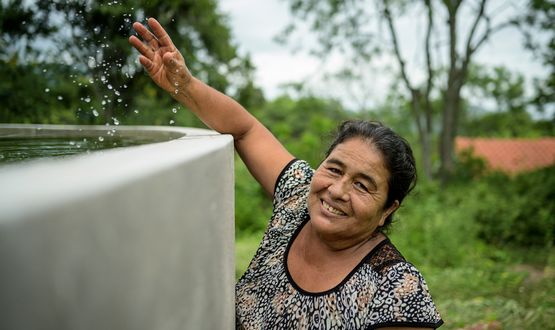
x=163 y=38
x=146 y=35
x=147 y=64
x=141 y=47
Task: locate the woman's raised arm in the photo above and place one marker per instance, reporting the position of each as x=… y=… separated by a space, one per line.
x=263 y=154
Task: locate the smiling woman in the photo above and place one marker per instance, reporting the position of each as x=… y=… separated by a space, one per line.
x=324 y=262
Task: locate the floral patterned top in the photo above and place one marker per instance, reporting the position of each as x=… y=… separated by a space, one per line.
x=383 y=290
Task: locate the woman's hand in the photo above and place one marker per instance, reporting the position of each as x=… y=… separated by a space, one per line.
x=161 y=59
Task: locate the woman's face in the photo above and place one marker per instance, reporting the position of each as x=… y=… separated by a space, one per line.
x=348 y=193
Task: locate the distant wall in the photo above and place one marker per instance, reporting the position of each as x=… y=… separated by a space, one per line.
x=130 y=238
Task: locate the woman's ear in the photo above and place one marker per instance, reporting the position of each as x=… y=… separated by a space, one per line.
x=394 y=206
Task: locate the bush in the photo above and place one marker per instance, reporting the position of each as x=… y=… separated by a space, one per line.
x=518 y=210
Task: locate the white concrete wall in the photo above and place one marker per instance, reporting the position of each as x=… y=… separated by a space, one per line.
x=130 y=238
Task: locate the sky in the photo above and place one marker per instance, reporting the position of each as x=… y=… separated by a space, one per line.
x=256 y=23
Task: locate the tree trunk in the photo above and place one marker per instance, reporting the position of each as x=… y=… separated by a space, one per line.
x=426 y=145
x=451 y=110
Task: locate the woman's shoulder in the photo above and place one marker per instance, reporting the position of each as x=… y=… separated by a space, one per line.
x=293 y=183
x=400 y=286
x=290 y=194
x=296 y=172
x=383 y=256
x=392 y=268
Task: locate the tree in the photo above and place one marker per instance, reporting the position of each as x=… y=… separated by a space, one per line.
x=85 y=42
x=507 y=114
x=347 y=26
x=540 y=16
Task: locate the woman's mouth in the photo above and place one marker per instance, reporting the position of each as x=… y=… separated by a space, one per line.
x=331 y=209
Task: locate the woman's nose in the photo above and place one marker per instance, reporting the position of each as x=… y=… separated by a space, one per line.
x=339 y=189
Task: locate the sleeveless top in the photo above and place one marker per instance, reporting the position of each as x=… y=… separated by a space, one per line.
x=382 y=290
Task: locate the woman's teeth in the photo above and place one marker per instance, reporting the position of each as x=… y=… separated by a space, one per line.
x=332 y=209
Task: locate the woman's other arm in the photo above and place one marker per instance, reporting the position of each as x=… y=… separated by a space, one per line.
x=263 y=154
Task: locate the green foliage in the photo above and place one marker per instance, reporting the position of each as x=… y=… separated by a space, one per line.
x=433 y=221
x=518 y=210
x=245 y=247
x=84 y=57
x=303 y=125
x=540 y=16
x=508 y=118
x=253 y=207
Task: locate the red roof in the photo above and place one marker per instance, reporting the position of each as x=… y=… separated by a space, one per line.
x=511 y=155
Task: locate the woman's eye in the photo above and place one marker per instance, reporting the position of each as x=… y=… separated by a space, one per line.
x=361 y=186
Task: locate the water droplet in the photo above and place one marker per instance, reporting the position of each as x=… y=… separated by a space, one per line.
x=71 y=143
x=46 y=90
x=119 y=100
x=87 y=99
x=96 y=30
x=91 y=62
x=60 y=97
x=103 y=102
x=174 y=110
x=116 y=122
x=44 y=70
x=136 y=111
x=95 y=113
x=100 y=138
x=117 y=93
x=176 y=91
x=109 y=86
x=171 y=122
x=176 y=84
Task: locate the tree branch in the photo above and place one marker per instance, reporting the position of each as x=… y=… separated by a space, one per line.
x=415 y=94
x=429 y=83
x=398 y=55
x=471 y=49
x=477 y=19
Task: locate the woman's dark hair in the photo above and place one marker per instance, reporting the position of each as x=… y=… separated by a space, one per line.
x=395 y=150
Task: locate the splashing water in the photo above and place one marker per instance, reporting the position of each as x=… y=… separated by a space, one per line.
x=91 y=62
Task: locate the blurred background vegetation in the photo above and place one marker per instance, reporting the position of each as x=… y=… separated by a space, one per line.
x=485 y=242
